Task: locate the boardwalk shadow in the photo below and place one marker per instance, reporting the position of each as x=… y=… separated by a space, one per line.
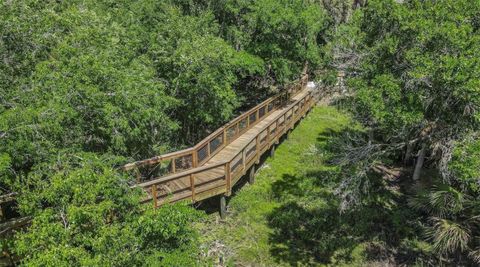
x=308 y=229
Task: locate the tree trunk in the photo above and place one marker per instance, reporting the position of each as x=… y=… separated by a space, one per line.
x=420 y=160
x=408 y=153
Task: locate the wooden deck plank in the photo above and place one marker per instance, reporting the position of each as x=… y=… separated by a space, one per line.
x=232 y=149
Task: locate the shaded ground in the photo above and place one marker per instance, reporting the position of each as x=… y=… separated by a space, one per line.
x=290 y=216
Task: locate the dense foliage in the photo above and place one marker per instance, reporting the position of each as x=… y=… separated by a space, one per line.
x=87 y=85
x=414 y=77
x=85 y=214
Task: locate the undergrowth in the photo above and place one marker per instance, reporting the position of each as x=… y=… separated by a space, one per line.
x=290 y=215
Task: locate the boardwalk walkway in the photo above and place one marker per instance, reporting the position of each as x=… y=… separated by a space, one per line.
x=217 y=163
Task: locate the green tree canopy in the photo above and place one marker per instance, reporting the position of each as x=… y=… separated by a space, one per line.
x=415 y=88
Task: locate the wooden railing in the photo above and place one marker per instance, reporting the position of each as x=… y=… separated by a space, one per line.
x=187 y=159
x=220 y=177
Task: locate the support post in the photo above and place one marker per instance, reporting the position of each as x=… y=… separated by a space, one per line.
x=223 y=207
x=272 y=151
x=251 y=175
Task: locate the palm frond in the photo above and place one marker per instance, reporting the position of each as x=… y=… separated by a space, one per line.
x=420 y=202
x=448 y=236
x=475 y=255
x=440 y=201
x=446 y=200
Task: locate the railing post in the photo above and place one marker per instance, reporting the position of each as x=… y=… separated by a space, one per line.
x=138 y=175
x=257 y=146
x=228 y=178
x=268 y=133
x=243 y=159
x=154 y=195
x=225 y=137
x=277 y=130
x=192 y=186
x=173 y=165
x=195 y=158
x=292 y=119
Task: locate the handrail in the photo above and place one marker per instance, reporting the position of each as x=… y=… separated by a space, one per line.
x=178 y=175
x=267 y=126
x=298 y=108
x=195 y=156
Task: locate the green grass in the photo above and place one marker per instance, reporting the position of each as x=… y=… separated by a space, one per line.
x=252 y=233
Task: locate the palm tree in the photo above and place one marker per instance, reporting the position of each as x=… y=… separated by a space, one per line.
x=453 y=225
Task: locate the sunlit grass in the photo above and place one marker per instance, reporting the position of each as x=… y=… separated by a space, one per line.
x=246 y=233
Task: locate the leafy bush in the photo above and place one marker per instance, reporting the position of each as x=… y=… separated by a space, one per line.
x=84 y=213
x=415 y=87
x=87 y=85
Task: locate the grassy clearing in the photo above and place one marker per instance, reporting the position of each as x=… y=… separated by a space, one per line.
x=258 y=229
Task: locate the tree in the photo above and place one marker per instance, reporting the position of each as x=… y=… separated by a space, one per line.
x=416 y=91
x=86 y=85
x=285 y=34
x=84 y=213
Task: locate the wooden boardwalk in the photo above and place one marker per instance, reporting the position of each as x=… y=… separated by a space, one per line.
x=217 y=163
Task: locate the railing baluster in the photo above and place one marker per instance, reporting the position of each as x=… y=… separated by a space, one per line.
x=195 y=158
x=268 y=133
x=192 y=186
x=154 y=195
x=225 y=137
x=243 y=158
x=228 y=178
x=138 y=175
x=257 y=147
